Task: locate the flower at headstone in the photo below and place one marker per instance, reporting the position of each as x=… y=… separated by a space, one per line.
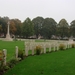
x=38 y=49
x=73 y=45
x=1 y=55
x=61 y=46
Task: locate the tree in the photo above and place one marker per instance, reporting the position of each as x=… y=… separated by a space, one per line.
x=38 y=21
x=0 y=30
x=12 y=27
x=27 y=28
x=3 y=24
x=72 y=28
x=15 y=26
x=49 y=28
x=6 y=19
x=18 y=26
x=63 y=28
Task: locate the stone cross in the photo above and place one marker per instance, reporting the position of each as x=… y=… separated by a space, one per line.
x=8 y=38
x=8 y=28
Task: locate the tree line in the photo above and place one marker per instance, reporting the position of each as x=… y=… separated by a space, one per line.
x=39 y=26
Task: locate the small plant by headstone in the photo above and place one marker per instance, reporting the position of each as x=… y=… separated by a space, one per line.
x=61 y=46
x=1 y=58
x=21 y=54
x=38 y=50
x=3 y=67
x=73 y=45
x=1 y=55
x=12 y=62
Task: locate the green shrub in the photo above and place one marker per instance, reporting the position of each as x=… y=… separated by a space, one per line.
x=73 y=45
x=38 y=50
x=21 y=54
x=61 y=46
x=12 y=62
x=3 y=69
x=6 y=67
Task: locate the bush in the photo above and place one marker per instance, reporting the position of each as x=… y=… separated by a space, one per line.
x=61 y=46
x=21 y=54
x=12 y=62
x=3 y=69
x=73 y=45
x=38 y=50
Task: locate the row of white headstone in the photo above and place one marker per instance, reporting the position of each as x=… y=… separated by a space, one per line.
x=44 y=45
x=4 y=55
x=31 y=45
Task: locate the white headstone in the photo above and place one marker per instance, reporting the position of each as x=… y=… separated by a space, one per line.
x=16 y=52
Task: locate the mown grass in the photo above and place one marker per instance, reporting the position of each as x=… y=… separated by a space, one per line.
x=55 y=63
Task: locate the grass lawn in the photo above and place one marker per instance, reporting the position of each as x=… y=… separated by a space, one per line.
x=55 y=63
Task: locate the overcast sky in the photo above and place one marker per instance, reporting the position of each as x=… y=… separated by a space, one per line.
x=21 y=9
